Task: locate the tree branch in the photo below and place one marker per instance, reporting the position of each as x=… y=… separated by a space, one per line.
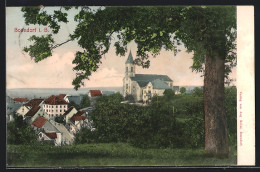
x=57 y=45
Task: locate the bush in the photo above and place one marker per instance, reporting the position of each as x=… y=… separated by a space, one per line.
x=198 y=92
x=85 y=102
x=168 y=94
x=130 y=98
x=231 y=112
x=86 y=136
x=18 y=132
x=183 y=90
x=60 y=119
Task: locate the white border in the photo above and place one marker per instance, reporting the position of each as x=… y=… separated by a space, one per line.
x=245 y=86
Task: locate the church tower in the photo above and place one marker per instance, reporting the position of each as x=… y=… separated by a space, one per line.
x=129 y=72
x=129 y=66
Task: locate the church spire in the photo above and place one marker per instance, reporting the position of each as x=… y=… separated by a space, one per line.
x=129 y=59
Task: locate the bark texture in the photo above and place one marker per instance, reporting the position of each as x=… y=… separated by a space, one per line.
x=216 y=138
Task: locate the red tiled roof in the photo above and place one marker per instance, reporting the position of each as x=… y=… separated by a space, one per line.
x=33 y=111
x=51 y=135
x=94 y=93
x=55 y=100
x=79 y=113
x=39 y=122
x=20 y=99
x=61 y=96
x=78 y=118
x=68 y=111
x=34 y=102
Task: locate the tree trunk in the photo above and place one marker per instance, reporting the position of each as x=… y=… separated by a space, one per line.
x=216 y=138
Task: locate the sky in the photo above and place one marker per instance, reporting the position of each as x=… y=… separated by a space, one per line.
x=56 y=71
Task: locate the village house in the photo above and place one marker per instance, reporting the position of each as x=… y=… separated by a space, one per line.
x=20 y=100
x=143 y=86
x=24 y=109
x=76 y=99
x=43 y=125
x=67 y=137
x=69 y=113
x=94 y=95
x=52 y=137
x=55 y=106
x=76 y=118
x=11 y=108
x=64 y=97
x=34 y=113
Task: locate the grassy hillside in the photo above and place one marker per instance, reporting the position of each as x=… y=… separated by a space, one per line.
x=110 y=154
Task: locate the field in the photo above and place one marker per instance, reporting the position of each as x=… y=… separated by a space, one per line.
x=110 y=154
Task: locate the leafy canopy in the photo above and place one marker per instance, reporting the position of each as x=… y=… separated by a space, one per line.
x=204 y=30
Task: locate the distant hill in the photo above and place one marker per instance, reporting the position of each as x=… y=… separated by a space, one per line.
x=46 y=92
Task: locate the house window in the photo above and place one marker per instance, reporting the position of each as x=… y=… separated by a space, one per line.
x=56 y=110
x=56 y=106
x=126 y=69
x=52 y=110
x=47 y=110
x=64 y=106
x=60 y=110
x=60 y=106
x=132 y=69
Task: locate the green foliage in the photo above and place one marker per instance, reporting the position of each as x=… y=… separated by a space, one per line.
x=86 y=136
x=169 y=93
x=183 y=90
x=152 y=126
x=110 y=154
x=231 y=112
x=18 y=132
x=59 y=119
x=205 y=30
x=130 y=98
x=85 y=102
x=168 y=122
x=41 y=48
x=198 y=92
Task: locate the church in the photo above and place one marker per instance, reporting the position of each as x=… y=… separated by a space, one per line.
x=143 y=86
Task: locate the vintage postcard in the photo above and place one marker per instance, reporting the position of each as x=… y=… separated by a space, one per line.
x=130 y=86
